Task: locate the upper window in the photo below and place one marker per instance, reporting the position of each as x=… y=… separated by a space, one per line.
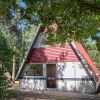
x=34 y=70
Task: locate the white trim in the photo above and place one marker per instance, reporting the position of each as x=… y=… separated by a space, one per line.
x=53 y=62
x=44 y=63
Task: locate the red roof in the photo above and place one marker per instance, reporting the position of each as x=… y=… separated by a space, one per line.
x=52 y=54
x=87 y=58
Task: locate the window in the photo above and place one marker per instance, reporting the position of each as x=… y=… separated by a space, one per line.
x=34 y=70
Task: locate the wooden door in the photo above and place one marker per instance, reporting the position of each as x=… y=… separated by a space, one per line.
x=51 y=75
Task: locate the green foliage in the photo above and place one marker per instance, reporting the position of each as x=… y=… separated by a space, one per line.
x=5 y=52
x=5 y=65
x=76 y=19
x=4 y=85
x=93 y=52
x=13 y=41
x=5 y=6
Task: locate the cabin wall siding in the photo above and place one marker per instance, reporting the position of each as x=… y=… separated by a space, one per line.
x=70 y=76
x=29 y=84
x=75 y=78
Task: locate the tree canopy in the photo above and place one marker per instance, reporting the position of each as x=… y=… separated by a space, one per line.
x=75 y=19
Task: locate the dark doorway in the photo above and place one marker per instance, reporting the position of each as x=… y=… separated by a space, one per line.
x=51 y=75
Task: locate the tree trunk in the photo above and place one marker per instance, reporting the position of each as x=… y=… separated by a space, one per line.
x=0 y=63
x=14 y=67
x=6 y=74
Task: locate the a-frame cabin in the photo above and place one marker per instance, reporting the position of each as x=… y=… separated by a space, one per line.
x=67 y=68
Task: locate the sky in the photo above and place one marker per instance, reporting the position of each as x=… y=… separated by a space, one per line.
x=98 y=34
x=21 y=25
x=22 y=4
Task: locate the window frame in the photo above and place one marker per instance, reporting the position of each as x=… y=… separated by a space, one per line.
x=34 y=74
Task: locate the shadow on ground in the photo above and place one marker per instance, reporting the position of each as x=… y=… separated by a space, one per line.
x=50 y=95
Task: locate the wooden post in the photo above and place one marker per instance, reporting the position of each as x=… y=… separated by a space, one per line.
x=14 y=67
x=0 y=63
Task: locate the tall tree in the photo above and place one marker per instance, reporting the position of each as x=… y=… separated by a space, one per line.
x=13 y=43
x=18 y=37
x=75 y=19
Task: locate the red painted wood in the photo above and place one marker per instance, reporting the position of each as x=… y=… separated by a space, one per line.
x=86 y=57
x=52 y=54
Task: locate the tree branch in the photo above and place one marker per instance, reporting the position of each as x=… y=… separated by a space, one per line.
x=90 y=6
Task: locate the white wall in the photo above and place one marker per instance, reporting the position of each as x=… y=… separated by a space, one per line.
x=72 y=74
x=29 y=83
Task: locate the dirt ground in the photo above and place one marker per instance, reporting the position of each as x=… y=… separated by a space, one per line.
x=50 y=95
